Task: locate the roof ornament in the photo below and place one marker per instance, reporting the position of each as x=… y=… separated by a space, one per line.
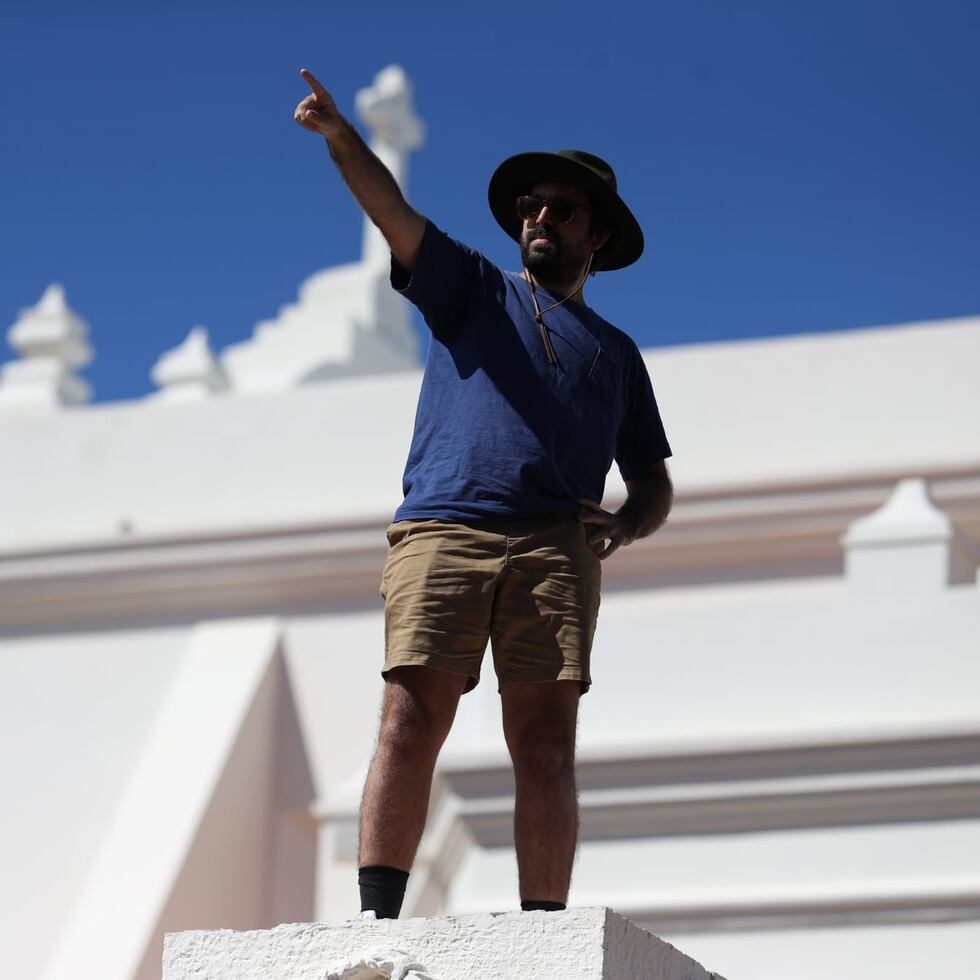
x=189 y=371
x=53 y=343
x=347 y=320
x=907 y=545
x=386 y=108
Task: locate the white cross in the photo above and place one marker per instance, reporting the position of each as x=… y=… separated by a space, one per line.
x=386 y=108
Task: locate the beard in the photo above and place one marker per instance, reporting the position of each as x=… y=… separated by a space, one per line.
x=553 y=263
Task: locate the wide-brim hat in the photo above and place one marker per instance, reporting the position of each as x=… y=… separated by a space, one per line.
x=518 y=174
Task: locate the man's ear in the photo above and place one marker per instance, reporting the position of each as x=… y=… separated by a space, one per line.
x=599 y=238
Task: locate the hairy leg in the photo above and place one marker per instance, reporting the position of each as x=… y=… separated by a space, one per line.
x=417 y=712
x=539 y=726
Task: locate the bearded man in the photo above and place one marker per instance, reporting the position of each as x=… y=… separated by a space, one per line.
x=528 y=397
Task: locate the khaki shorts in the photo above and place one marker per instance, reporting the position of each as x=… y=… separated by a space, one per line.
x=529 y=586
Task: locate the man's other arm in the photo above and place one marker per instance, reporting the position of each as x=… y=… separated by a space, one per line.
x=369 y=180
x=648 y=502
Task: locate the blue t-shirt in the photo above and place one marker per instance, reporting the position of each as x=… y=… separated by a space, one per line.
x=499 y=431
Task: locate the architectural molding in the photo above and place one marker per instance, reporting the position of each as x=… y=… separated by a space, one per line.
x=753 y=533
x=920 y=903
x=643 y=794
x=626 y=796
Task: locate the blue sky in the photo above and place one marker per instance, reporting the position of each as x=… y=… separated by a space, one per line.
x=796 y=167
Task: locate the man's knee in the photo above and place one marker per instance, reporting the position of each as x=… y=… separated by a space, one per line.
x=419 y=708
x=542 y=752
x=539 y=726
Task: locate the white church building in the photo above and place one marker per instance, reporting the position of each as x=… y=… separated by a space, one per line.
x=780 y=757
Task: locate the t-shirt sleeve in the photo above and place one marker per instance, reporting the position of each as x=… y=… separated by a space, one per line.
x=641 y=441
x=439 y=284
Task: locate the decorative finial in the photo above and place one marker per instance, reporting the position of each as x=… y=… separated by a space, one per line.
x=52 y=341
x=386 y=107
x=189 y=371
x=907 y=545
x=387 y=110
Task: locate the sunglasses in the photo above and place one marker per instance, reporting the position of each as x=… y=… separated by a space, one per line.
x=529 y=206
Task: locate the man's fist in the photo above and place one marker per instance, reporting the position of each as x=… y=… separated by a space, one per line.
x=317 y=112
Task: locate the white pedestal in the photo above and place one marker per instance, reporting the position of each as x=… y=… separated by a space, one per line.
x=580 y=944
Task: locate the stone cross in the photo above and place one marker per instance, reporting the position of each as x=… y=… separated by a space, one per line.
x=386 y=109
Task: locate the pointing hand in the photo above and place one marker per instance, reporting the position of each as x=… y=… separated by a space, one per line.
x=317 y=112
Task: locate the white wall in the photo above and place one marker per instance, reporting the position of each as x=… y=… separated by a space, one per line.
x=75 y=712
x=152 y=497
x=890 y=951
x=900 y=400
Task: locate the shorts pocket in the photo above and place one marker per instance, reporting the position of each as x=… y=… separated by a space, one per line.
x=397 y=532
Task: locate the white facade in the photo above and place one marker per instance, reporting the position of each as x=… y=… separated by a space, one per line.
x=780 y=757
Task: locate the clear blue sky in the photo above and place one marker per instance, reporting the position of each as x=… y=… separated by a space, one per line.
x=796 y=167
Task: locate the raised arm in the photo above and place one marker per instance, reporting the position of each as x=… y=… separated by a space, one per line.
x=369 y=180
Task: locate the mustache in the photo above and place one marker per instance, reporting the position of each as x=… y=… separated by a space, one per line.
x=537 y=232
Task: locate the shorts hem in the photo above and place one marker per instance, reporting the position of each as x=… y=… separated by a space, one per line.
x=566 y=674
x=436 y=661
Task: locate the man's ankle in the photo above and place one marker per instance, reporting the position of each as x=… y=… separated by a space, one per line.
x=533 y=905
x=382 y=889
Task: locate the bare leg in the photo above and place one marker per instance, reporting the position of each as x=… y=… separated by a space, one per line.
x=417 y=713
x=539 y=725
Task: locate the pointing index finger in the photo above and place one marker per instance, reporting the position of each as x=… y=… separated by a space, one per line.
x=318 y=90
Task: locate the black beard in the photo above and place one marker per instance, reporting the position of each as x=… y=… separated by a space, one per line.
x=555 y=265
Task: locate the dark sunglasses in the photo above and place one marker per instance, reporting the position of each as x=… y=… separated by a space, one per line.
x=529 y=206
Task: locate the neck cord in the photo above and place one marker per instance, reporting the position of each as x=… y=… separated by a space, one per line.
x=539 y=313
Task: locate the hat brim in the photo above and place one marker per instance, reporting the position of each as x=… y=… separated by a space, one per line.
x=517 y=174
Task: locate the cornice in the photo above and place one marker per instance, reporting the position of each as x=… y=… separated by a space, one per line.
x=734 y=534
x=896 y=780
x=642 y=793
x=913 y=902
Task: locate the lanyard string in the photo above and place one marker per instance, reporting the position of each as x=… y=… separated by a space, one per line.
x=539 y=313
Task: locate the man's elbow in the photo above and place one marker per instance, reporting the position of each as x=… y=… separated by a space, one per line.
x=665 y=494
x=404 y=232
x=653 y=494
x=661 y=484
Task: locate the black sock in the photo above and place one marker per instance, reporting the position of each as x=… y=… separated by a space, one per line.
x=382 y=889
x=531 y=906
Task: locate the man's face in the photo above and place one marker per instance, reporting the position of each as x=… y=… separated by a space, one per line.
x=553 y=251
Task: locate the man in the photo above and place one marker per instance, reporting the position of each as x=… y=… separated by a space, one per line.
x=528 y=396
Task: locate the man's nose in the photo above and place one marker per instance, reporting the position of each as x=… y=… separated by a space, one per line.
x=544 y=217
